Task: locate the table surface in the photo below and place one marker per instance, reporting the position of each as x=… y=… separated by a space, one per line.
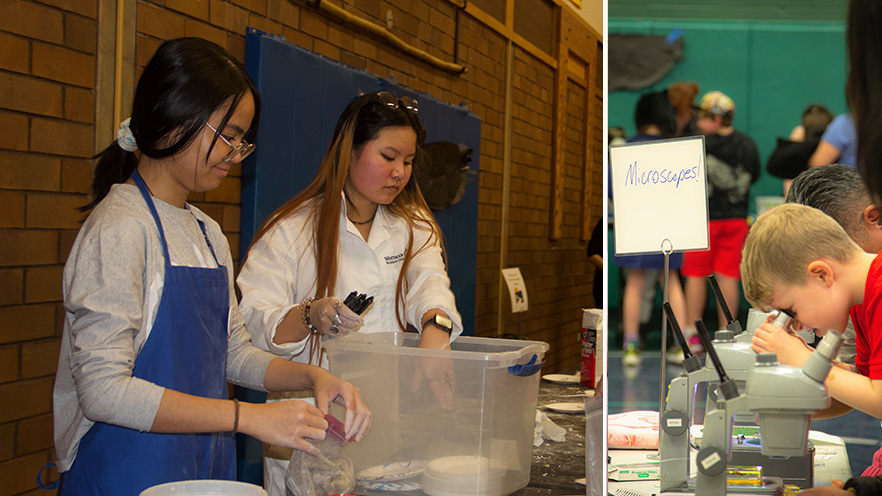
x=831 y=462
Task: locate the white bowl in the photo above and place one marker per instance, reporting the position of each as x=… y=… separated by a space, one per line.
x=205 y=488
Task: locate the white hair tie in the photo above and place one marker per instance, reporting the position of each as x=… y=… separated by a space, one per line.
x=124 y=136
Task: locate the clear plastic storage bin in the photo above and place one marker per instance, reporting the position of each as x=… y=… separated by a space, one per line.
x=481 y=446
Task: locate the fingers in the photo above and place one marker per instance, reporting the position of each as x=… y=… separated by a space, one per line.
x=292 y=424
x=760 y=345
x=443 y=393
x=442 y=380
x=322 y=398
x=335 y=318
x=305 y=446
x=358 y=420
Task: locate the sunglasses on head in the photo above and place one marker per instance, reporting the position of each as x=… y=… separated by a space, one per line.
x=392 y=102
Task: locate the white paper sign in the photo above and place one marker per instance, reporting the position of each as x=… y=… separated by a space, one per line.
x=659 y=193
x=517 y=290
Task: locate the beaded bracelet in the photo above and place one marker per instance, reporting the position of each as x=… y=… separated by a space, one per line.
x=307 y=322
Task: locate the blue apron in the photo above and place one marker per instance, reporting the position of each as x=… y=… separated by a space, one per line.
x=185 y=351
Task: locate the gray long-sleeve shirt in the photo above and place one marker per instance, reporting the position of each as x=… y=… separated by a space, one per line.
x=112 y=285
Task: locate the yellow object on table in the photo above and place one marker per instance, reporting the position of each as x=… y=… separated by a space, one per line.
x=740 y=475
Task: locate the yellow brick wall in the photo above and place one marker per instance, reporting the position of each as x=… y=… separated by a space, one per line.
x=47 y=111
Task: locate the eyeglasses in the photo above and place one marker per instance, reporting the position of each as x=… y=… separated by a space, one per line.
x=405 y=101
x=238 y=152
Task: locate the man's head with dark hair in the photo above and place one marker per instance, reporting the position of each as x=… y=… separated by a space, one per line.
x=839 y=191
x=654 y=109
x=815 y=119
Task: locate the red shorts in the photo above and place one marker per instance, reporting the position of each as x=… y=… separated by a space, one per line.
x=724 y=257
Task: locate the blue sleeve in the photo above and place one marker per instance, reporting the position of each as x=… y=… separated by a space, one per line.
x=837 y=133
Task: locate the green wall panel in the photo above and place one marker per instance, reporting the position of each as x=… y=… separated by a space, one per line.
x=780 y=10
x=772 y=70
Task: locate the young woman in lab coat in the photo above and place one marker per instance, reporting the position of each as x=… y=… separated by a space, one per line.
x=152 y=332
x=361 y=225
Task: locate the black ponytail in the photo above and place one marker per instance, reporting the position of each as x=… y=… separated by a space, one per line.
x=113 y=165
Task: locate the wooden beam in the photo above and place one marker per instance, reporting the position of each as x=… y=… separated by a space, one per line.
x=591 y=110
x=558 y=127
x=577 y=71
x=488 y=20
x=382 y=33
x=534 y=50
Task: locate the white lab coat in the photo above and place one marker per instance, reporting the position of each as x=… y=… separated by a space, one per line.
x=280 y=272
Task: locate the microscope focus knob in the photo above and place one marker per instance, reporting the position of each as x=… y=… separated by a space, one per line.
x=675 y=422
x=711 y=461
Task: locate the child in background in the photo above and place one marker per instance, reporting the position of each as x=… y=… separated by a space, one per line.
x=791 y=156
x=732 y=166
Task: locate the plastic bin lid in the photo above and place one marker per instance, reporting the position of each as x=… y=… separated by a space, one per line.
x=499 y=352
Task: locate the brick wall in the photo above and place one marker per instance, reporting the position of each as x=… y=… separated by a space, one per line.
x=47 y=77
x=47 y=108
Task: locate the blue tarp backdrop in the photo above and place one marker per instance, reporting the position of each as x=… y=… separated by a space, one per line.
x=303 y=94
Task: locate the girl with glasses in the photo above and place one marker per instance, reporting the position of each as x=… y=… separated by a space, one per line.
x=361 y=225
x=152 y=333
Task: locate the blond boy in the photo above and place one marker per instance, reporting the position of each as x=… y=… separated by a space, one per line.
x=799 y=260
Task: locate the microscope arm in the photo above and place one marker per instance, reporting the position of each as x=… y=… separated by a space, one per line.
x=674 y=428
x=716 y=443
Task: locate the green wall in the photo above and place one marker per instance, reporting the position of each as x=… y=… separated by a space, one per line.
x=781 y=10
x=772 y=70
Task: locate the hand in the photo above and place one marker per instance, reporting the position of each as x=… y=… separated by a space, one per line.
x=292 y=424
x=332 y=317
x=834 y=489
x=787 y=345
x=437 y=371
x=329 y=388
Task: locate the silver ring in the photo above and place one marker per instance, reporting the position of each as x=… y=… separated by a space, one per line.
x=448 y=379
x=336 y=320
x=333 y=329
x=337 y=305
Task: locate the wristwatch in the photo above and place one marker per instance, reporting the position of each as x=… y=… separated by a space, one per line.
x=441 y=321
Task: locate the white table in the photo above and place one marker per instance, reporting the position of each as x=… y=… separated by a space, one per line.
x=831 y=462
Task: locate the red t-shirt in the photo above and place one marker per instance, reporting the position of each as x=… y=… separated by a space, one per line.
x=867 y=319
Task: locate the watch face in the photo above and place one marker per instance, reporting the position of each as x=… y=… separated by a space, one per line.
x=443 y=321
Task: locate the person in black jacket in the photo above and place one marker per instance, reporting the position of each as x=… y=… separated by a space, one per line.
x=791 y=156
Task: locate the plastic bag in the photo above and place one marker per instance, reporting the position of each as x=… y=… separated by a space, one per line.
x=324 y=474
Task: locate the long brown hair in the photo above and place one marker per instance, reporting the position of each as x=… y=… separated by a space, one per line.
x=360 y=123
x=863 y=89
